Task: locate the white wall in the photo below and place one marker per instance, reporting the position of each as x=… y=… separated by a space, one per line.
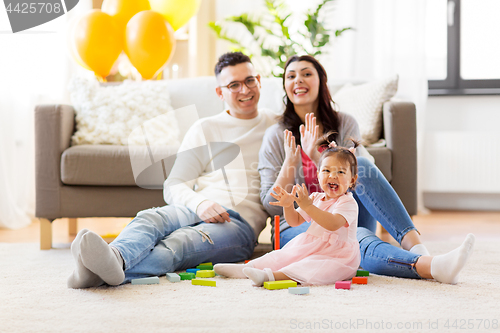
x=470 y=178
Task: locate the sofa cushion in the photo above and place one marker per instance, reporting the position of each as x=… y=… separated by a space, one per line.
x=364 y=102
x=109 y=114
x=383 y=160
x=106 y=165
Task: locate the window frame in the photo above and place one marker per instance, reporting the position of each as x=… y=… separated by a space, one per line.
x=453 y=84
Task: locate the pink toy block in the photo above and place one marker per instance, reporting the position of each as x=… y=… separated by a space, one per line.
x=343 y=285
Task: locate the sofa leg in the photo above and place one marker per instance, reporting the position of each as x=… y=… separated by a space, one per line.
x=73 y=226
x=45 y=234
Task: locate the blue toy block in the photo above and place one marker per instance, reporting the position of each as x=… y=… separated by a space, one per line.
x=172 y=277
x=148 y=280
x=192 y=270
x=298 y=290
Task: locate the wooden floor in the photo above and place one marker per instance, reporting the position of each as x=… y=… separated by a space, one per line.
x=438 y=225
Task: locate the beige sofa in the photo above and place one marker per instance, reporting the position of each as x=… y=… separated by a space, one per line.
x=98 y=180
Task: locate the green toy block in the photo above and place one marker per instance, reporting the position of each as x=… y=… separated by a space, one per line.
x=283 y=284
x=187 y=276
x=199 y=282
x=148 y=280
x=206 y=264
x=172 y=277
x=205 y=267
x=362 y=272
x=205 y=274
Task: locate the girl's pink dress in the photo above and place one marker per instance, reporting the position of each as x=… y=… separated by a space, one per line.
x=319 y=256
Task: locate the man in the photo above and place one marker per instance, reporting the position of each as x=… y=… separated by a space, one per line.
x=207 y=190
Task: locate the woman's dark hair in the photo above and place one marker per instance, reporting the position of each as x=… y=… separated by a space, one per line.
x=344 y=154
x=326 y=114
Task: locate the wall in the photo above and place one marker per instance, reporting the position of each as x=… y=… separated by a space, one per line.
x=462 y=153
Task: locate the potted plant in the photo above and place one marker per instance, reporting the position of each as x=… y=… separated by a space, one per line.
x=268 y=39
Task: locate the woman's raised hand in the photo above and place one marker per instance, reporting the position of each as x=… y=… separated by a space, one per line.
x=284 y=199
x=292 y=151
x=309 y=134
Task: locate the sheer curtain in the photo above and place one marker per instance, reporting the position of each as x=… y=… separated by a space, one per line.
x=34 y=69
x=389 y=38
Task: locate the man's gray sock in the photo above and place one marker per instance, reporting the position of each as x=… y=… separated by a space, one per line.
x=100 y=258
x=81 y=277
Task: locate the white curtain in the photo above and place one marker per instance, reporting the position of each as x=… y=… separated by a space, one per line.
x=389 y=38
x=34 y=69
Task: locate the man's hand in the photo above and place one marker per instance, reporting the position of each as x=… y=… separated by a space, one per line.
x=309 y=134
x=212 y=212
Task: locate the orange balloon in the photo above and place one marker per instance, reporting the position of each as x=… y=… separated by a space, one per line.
x=70 y=40
x=97 y=41
x=149 y=42
x=123 y=10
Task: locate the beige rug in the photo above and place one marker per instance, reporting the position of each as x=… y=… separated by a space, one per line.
x=34 y=298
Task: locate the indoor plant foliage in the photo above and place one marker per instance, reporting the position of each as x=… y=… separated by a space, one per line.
x=274 y=35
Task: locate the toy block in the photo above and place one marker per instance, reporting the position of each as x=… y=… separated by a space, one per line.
x=276 y=232
x=360 y=280
x=205 y=274
x=362 y=272
x=206 y=264
x=187 y=276
x=148 y=280
x=282 y=284
x=343 y=285
x=192 y=270
x=247 y=261
x=205 y=267
x=172 y=277
x=298 y=290
x=199 y=282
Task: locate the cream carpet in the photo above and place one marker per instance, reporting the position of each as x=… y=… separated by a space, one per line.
x=34 y=298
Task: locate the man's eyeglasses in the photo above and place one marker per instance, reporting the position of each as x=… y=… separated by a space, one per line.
x=235 y=86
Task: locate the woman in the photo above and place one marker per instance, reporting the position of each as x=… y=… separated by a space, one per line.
x=308 y=101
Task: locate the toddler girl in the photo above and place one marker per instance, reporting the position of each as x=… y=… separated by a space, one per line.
x=328 y=251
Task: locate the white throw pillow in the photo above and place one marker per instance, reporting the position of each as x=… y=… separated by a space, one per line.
x=364 y=102
x=108 y=115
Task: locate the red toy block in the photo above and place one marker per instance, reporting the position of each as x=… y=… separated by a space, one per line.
x=343 y=285
x=276 y=232
x=360 y=280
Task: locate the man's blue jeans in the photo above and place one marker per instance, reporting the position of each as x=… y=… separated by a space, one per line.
x=171 y=238
x=377 y=201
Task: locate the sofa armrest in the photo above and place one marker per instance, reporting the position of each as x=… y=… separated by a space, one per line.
x=400 y=132
x=54 y=125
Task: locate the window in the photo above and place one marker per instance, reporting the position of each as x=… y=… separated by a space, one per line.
x=462 y=47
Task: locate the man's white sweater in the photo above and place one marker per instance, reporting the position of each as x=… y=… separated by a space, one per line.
x=218 y=161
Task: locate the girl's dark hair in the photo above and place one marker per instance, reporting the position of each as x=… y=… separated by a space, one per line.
x=342 y=153
x=326 y=114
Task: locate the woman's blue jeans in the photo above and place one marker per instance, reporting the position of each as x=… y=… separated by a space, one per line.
x=171 y=238
x=377 y=201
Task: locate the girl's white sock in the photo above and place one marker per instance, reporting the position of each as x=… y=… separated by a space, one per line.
x=420 y=249
x=234 y=271
x=445 y=267
x=258 y=276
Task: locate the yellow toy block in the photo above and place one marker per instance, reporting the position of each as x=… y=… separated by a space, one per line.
x=205 y=274
x=199 y=282
x=206 y=264
x=283 y=284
